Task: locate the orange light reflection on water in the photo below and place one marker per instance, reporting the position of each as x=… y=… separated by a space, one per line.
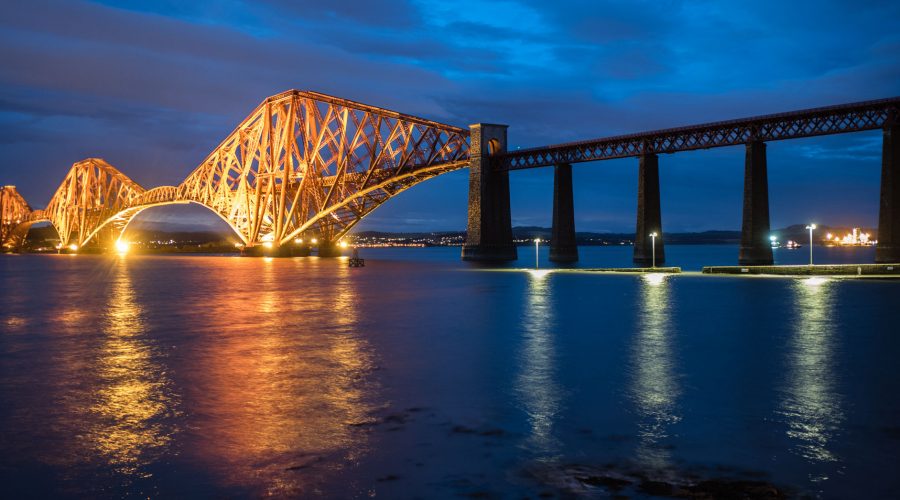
x=283 y=386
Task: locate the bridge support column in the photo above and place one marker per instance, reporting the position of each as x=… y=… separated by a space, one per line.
x=888 y=249
x=649 y=218
x=563 y=247
x=328 y=249
x=489 y=228
x=756 y=249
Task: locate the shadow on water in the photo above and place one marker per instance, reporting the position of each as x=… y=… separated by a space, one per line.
x=811 y=404
x=536 y=388
x=654 y=387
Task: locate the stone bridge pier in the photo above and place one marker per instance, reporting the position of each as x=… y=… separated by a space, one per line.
x=756 y=248
x=888 y=249
x=563 y=247
x=489 y=227
x=649 y=218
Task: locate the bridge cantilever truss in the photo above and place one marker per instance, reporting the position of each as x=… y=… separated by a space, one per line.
x=301 y=162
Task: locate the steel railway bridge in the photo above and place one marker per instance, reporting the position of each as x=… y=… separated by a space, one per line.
x=307 y=165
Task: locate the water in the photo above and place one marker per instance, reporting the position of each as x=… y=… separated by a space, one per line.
x=423 y=376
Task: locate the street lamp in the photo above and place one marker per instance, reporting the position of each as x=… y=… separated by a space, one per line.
x=653 y=248
x=810 y=227
x=537 y=241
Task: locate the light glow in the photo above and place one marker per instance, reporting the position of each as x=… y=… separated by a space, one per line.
x=268 y=244
x=654 y=279
x=73 y=247
x=343 y=244
x=122 y=247
x=815 y=281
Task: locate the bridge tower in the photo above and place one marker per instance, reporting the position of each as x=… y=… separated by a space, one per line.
x=489 y=227
x=888 y=249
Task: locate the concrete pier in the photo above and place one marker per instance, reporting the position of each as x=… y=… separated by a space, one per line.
x=756 y=248
x=649 y=218
x=489 y=227
x=328 y=249
x=563 y=247
x=888 y=249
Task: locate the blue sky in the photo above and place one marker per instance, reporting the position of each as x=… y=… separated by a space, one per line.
x=153 y=86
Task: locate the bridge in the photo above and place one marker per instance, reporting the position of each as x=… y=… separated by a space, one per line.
x=307 y=165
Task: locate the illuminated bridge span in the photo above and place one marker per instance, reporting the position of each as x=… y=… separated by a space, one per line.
x=306 y=165
x=302 y=163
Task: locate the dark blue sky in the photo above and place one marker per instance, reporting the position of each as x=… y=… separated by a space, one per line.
x=153 y=86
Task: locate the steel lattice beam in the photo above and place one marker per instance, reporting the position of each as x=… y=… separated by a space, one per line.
x=868 y=115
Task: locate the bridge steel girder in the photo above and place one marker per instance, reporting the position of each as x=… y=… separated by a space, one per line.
x=855 y=117
x=489 y=227
x=14 y=210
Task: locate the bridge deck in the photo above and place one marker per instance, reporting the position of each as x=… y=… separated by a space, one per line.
x=844 y=118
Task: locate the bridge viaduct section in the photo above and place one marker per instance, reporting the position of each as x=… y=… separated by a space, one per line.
x=489 y=220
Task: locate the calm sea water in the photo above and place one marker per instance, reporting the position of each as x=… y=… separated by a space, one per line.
x=423 y=376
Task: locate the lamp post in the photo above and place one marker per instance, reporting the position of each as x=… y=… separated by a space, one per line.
x=810 y=227
x=537 y=241
x=653 y=249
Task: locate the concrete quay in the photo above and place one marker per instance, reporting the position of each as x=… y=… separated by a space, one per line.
x=807 y=270
x=638 y=270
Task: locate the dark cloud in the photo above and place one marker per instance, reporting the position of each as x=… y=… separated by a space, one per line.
x=153 y=86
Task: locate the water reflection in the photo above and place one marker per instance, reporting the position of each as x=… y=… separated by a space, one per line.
x=536 y=388
x=811 y=403
x=133 y=397
x=281 y=387
x=654 y=387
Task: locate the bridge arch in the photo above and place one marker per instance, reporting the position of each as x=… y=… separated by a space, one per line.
x=124 y=218
x=16 y=237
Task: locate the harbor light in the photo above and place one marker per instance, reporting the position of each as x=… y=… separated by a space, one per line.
x=315 y=240
x=537 y=242
x=653 y=248
x=343 y=244
x=811 y=227
x=267 y=244
x=73 y=247
x=122 y=247
x=298 y=241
